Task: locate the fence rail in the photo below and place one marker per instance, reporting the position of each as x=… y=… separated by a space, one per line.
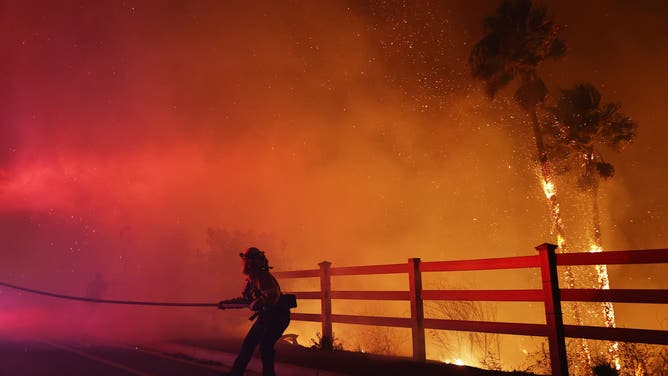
x=547 y=261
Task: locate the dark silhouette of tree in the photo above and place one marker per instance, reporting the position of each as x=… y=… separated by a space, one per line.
x=518 y=38
x=584 y=124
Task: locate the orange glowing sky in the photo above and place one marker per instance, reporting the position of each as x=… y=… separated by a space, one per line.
x=319 y=130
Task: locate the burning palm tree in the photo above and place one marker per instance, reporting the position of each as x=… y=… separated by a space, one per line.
x=518 y=38
x=583 y=124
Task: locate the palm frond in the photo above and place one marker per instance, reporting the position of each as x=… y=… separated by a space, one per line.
x=518 y=37
x=488 y=64
x=619 y=132
x=582 y=122
x=557 y=49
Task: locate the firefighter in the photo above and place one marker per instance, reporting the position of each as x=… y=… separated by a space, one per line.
x=263 y=295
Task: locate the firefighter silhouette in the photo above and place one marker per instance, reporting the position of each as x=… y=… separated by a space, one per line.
x=272 y=312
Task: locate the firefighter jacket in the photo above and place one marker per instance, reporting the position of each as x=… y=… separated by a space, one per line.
x=262 y=291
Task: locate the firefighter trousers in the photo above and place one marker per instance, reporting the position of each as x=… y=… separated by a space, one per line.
x=267 y=329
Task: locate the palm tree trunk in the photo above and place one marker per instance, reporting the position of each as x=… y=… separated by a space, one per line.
x=550 y=191
x=558 y=227
x=602 y=271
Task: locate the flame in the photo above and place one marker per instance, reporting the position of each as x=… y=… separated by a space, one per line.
x=456 y=361
x=608 y=309
x=560 y=241
x=549 y=189
x=595 y=249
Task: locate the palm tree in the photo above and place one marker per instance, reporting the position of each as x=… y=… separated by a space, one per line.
x=582 y=124
x=518 y=38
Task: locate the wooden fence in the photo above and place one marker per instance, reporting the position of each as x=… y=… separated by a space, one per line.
x=550 y=294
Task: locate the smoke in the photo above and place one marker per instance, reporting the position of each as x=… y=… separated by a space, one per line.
x=152 y=142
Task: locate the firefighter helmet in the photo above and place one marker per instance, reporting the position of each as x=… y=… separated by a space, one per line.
x=254 y=259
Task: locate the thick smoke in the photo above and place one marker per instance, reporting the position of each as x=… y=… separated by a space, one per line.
x=152 y=142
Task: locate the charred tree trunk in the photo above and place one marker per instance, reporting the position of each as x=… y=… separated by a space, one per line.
x=601 y=270
x=550 y=191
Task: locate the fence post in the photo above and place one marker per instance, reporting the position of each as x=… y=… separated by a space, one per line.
x=327 y=340
x=553 y=314
x=417 y=309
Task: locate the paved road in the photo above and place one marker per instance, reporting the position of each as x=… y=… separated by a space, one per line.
x=52 y=358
